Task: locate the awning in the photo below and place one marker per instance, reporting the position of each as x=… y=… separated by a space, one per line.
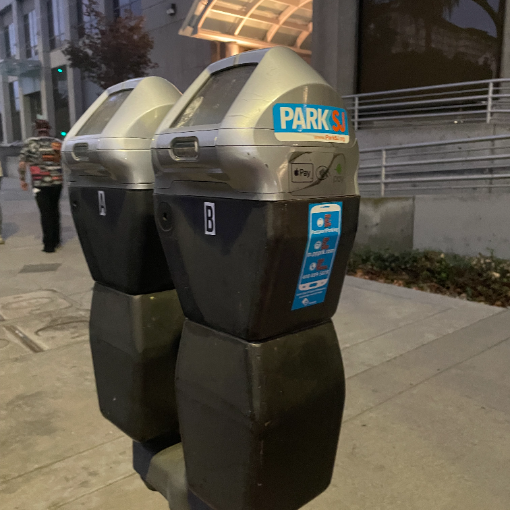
x=253 y=23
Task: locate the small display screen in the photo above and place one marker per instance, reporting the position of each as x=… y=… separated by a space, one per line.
x=100 y=118
x=215 y=98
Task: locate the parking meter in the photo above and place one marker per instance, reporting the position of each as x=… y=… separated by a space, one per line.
x=111 y=184
x=136 y=319
x=256 y=203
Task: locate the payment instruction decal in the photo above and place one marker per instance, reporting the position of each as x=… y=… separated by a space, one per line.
x=308 y=122
x=324 y=229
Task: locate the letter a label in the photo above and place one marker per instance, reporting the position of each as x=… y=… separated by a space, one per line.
x=102 y=203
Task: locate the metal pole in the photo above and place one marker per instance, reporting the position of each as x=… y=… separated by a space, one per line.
x=356 y=112
x=383 y=171
x=490 y=93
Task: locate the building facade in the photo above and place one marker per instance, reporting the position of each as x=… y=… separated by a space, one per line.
x=374 y=45
x=357 y=45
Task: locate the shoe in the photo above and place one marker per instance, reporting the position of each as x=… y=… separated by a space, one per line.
x=48 y=250
x=2 y=240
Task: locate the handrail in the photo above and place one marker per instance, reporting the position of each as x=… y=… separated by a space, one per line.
x=440 y=142
x=409 y=164
x=429 y=87
x=486 y=101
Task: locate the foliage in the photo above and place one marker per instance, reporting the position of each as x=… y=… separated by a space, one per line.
x=429 y=9
x=111 y=51
x=485 y=279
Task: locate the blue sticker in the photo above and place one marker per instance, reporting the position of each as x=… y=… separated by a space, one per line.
x=310 y=122
x=324 y=230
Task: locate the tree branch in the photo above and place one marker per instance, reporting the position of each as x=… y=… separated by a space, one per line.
x=484 y=4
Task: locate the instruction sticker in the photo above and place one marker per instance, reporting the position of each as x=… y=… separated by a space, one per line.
x=309 y=122
x=324 y=229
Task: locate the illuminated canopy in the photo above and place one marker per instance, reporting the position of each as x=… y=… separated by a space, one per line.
x=252 y=23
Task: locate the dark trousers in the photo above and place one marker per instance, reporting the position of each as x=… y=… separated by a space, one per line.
x=48 y=202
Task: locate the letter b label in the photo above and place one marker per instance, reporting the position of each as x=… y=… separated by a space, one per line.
x=209 y=219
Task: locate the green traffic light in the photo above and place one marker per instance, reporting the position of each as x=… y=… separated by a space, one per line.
x=60 y=70
x=63 y=133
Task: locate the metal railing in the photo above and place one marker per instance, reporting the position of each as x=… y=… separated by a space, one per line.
x=476 y=164
x=474 y=101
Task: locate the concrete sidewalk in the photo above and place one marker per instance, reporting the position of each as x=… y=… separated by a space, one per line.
x=427 y=422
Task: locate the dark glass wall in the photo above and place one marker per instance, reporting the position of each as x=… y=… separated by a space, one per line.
x=14 y=99
x=55 y=11
x=34 y=106
x=413 y=43
x=121 y=6
x=61 y=100
x=30 y=26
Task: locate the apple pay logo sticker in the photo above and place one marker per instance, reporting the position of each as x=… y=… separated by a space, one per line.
x=301 y=172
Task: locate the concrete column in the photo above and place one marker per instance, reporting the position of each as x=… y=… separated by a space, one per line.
x=335 y=42
x=43 y=48
x=232 y=49
x=4 y=99
x=17 y=19
x=75 y=94
x=74 y=84
x=505 y=49
x=7 y=115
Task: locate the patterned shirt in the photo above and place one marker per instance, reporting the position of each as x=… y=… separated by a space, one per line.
x=42 y=154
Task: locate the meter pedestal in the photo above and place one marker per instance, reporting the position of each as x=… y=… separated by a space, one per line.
x=162 y=469
x=134 y=342
x=259 y=421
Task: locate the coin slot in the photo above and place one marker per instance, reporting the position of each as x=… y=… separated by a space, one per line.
x=184 y=149
x=81 y=151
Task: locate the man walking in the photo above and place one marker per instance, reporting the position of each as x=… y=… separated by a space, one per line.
x=42 y=155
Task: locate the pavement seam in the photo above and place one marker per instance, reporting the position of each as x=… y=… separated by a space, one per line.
x=71 y=302
x=60 y=347
x=26 y=341
x=413 y=386
x=395 y=290
x=44 y=466
x=60 y=505
x=424 y=345
x=400 y=327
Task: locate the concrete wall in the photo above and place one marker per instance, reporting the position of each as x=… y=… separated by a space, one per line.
x=386 y=224
x=181 y=59
x=335 y=42
x=465 y=225
x=382 y=137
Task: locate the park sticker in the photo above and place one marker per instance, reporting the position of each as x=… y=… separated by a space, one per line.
x=308 y=122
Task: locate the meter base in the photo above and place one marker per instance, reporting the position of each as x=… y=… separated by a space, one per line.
x=121 y=246
x=243 y=279
x=134 y=342
x=162 y=469
x=260 y=422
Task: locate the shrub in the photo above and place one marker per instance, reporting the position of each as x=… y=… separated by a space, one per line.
x=485 y=279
